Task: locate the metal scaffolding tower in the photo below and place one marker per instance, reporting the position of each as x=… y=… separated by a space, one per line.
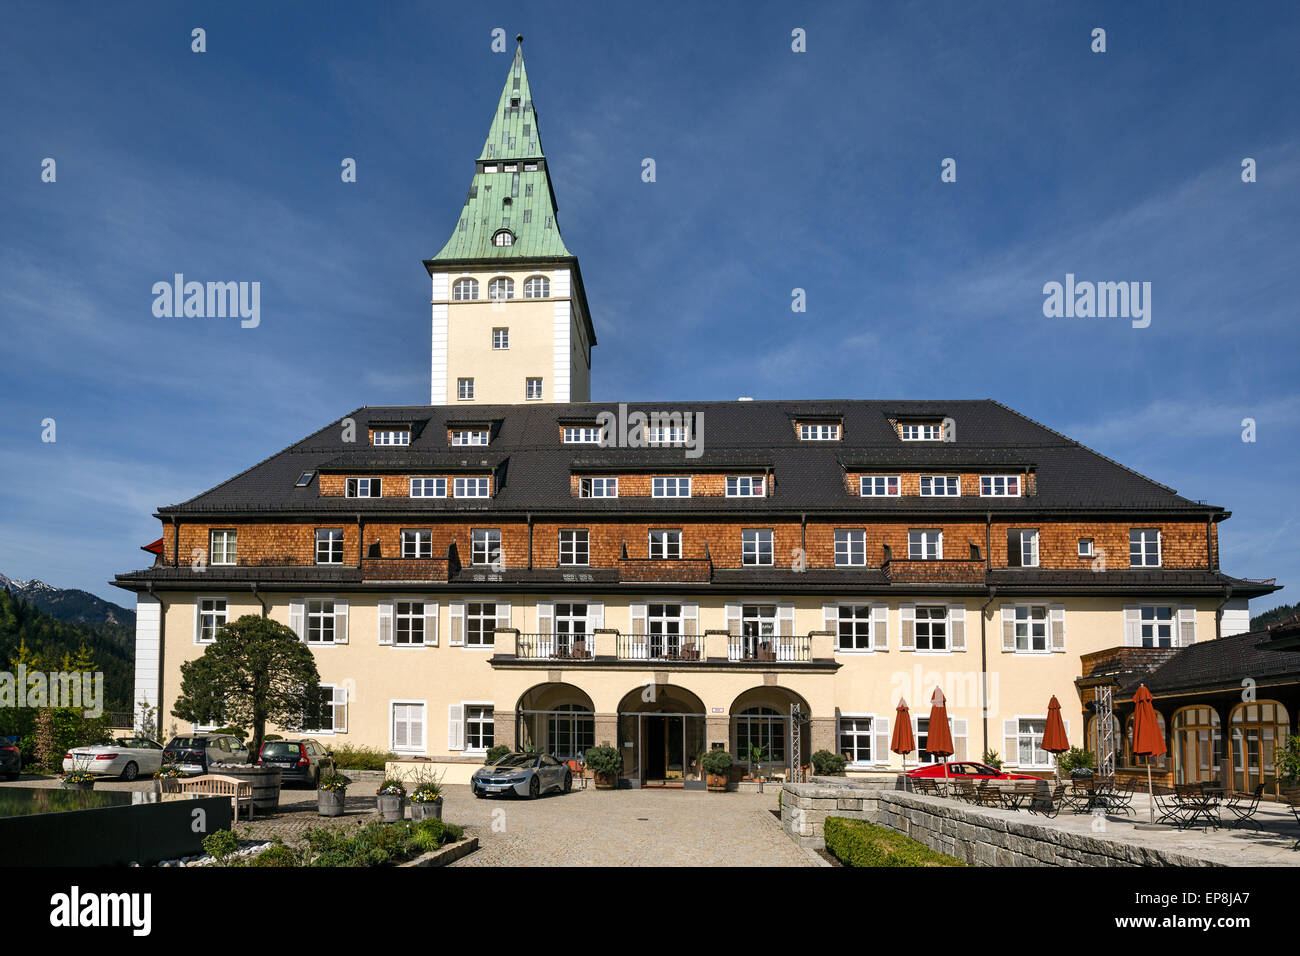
x=1105 y=705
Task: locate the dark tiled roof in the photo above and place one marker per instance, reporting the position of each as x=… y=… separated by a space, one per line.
x=1225 y=662
x=809 y=476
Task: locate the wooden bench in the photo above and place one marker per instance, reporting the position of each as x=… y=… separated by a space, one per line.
x=213 y=785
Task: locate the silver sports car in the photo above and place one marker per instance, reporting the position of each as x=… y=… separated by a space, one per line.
x=527 y=775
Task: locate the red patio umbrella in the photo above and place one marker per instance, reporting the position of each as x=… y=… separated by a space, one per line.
x=1148 y=741
x=1054 y=739
x=903 y=743
x=939 y=738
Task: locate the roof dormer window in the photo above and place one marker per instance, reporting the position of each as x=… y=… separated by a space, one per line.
x=503 y=237
x=580 y=434
x=921 y=431
x=390 y=436
x=819 y=431
x=470 y=436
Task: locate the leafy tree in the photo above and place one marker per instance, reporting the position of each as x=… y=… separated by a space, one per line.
x=255 y=671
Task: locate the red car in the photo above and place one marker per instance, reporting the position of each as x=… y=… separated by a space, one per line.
x=966 y=770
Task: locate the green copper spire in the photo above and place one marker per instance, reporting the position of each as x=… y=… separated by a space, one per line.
x=510 y=210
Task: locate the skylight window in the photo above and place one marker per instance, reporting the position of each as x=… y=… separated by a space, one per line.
x=304 y=479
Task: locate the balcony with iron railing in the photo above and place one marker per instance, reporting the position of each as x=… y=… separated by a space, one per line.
x=609 y=647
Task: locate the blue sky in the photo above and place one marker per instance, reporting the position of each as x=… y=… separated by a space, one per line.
x=775 y=170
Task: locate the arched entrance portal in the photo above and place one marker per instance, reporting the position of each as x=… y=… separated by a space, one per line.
x=557 y=719
x=762 y=737
x=662 y=730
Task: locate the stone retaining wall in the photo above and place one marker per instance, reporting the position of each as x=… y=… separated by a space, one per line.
x=961 y=831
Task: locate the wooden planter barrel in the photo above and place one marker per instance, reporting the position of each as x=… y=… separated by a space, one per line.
x=330 y=803
x=426 y=811
x=265 y=781
x=392 y=807
x=606 y=781
x=717 y=782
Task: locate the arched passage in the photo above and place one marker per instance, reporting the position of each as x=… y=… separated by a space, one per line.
x=664 y=724
x=762 y=735
x=555 y=718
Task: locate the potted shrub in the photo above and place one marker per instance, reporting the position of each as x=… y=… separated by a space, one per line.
x=717 y=766
x=605 y=763
x=331 y=794
x=757 y=754
x=426 y=797
x=392 y=799
x=828 y=764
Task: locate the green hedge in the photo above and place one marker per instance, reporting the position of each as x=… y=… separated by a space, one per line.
x=361 y=758
x=857 y=843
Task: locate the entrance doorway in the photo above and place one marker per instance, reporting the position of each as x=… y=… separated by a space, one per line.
x=663 y=748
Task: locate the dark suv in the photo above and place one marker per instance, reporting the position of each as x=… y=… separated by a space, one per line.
x=197 y=752
x=299 y=759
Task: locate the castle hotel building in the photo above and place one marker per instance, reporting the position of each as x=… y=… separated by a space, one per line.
x=504 y=566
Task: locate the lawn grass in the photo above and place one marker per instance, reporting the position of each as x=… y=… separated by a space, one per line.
x=858 y=843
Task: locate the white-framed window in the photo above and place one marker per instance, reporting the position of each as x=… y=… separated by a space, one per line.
x=1022 y=547
x=1086 y=549
x=853 y=627
x=878 y=486
x=364 y=488
x=501 y=288
x=465 y=290
x=1144 y=548
x=485 y=546
x=537 y=287
x=756 y=546
x=575 y=546
x=390 y=436
x=665 y=544
x=931 y=630
x=304 y=479
x=924 y=545
x=940 y=486
x=222 y=546
x=999 y=486
x=850 y=547
x=407 y=734
x=819 y=431
x=479 y=728
x=500 y=339
x=471 y=487
x=1029 y=742
x=471 y=436
x=212 y=617
x=677 y=487
x=922 y=431
x=855 y=736
x=744 y=486
x=408 y=623
x=417 y=543
x=504 y=237
x=333 y=711
x=1030 y=625
x=329 y=545
x=598 y=487
x=580 y=434
x=1157 y=625
x=667 y=434
x=323 y=624
x=482 y=618
x=465 y=389
x=428 y=487
x=532 y=388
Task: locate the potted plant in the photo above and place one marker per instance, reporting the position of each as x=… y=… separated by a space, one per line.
x=828 y=764
x=331 y=794
x=392 y=799
x=605 y=763
x=426 y=797
x=757 y=754
x=717 y=766
x=79 y=777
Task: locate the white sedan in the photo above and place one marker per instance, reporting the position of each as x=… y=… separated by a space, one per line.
x=125 y=757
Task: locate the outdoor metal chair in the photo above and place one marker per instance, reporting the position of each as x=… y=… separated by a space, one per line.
x=1170 y=808
x=1050 y=805
x=1121 y=798
x=989 y=797
x=1076 y=796
x=1243 y=808
x=1292 y=799
x=965 y=790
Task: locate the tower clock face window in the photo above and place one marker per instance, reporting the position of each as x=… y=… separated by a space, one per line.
x=503 y=237
x=502 y=287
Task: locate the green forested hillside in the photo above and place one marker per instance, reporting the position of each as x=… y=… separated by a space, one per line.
x=1279 y=613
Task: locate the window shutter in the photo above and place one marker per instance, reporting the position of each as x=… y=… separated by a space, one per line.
x=457 y=617
x=690 y=618
x=1009 y=628
x=297 y=617
x=831 y=619
x=503 y=613
x=545 y=617
x=880 y=740
x=957 y=627
x=1013 y=549
x=1186 y=625
x=785 y=620
x=386 y=622
x=1011 y=741
x=415 y=725
x=595 y=616
x=341 y=621
x=959 y=738
x=430 y=623
x=340 y=710
x=638 y=617
x=733 y=619
x=400 y=732
x=456 y=727
x=1132 y=625
x=639 y=648
x=1058 y=627
x=1067 y=728
x=907 y=615
x=198 y=602
x=880 y=627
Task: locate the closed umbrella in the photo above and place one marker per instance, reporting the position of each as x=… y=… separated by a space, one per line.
x=903 y=743
x=1054 y=739
x=939 y=738
x=1148 y=741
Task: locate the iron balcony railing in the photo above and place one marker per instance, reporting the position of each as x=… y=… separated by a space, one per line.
x=554 y=646
x=783 y=648
x=660 y=647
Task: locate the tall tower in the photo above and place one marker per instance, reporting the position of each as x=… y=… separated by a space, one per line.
x=510 y=319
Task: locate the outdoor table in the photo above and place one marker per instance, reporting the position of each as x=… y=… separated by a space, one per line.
x=1204 y=805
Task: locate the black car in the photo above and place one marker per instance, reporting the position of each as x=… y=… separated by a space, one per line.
x=195 y=753
x=298 y=759
x=11 y=759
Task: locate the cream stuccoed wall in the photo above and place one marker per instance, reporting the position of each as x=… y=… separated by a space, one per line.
x=866 y=683
x=547 y=340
